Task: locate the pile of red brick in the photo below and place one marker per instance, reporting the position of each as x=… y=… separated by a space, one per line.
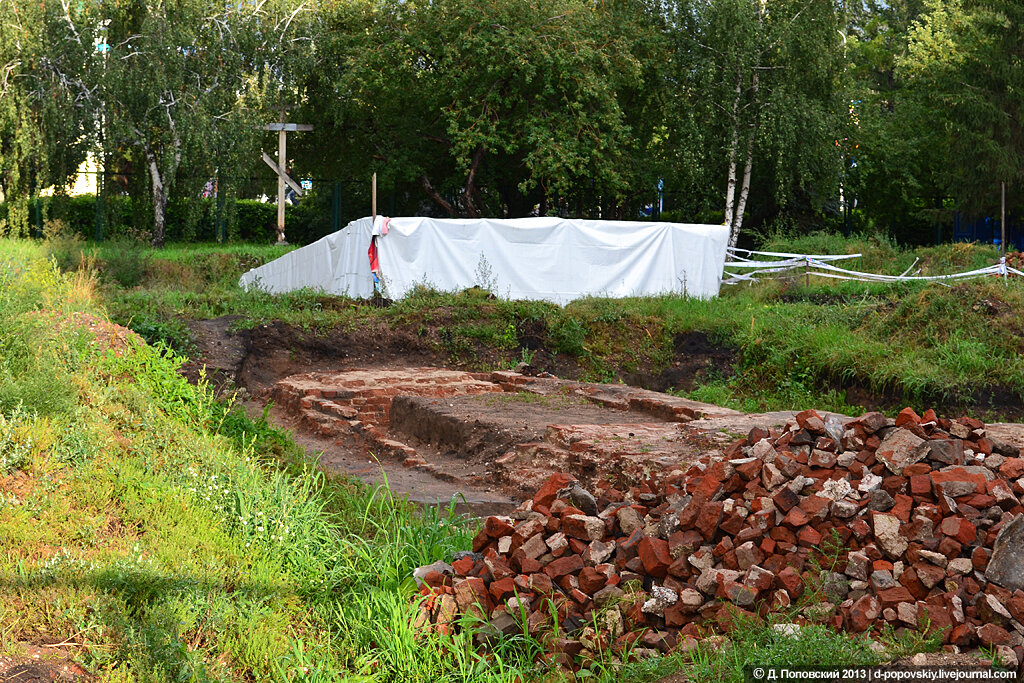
x=914 y=522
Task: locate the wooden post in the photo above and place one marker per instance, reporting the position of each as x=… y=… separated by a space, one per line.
x=282 y=162
x=373 y=198
x=281 y=167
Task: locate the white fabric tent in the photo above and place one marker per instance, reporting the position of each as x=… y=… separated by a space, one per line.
x=552 y=259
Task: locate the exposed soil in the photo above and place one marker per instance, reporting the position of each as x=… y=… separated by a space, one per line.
x=461 y=437
x=434 y=446
x=39 y=664
x=257 y=358
x=481 y=429
x=1002 y=401
x=421 y=487
x=696 y=358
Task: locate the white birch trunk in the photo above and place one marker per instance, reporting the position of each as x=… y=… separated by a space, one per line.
x=741 y=205
x=736 y=224
x=159 y=201
x=730 y=188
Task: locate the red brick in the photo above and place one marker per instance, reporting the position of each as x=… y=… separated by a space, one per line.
x=655 y=556
x=979 y=558
x=464 y=566
x=591 y=580
x=563 y=566
x=732 y=523
x=890 y=597
x=1013 y=468
x=809 y=537
x=502 y=588
x=990 y=635
x=958 y=474
x=809 y=419
x=708 y=520
x=796 y=518
x=496 y=527
x=546 y=494
x=909 y=580
x=792 y=582
x=904 y=504
x=936 y=617
x=1015 y=605
x=949 y=547
x=785 y=499
x=960 y=529
x=529 y=565
x=815 y=505
x=920 y=485
x=750 y=470
x=541 y=583
x=481 y=541
x=862 y=614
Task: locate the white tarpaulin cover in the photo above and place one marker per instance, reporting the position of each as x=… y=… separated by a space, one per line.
x=523 y=258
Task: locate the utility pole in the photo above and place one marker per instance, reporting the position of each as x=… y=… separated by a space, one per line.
x=281 y=167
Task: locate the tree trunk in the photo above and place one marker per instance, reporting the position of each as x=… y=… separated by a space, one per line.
x=737 y=216
x=741 y=205
x=469 y=190
x=159 y=202
x=435 y=195
x=737 y=220
x=730 y=188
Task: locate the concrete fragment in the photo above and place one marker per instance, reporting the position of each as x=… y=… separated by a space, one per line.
x=899 y=449
x=1006 y=566
x=887 y=535
x=629 y=520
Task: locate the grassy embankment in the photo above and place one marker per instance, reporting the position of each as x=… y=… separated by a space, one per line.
x=151 y=533
x=795 y=346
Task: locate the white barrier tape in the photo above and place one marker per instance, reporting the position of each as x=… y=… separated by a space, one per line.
x=904 y=278
x=904 y=273
x=843 y=274
x=801 y=257
x=750 y=276
x=816 y=263
x=765 y=264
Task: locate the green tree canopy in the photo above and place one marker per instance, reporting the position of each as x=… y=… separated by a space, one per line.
x=488 y=106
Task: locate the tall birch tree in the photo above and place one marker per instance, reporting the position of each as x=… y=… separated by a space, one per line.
x=757 y=91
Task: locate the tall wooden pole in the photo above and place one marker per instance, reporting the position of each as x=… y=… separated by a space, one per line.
x=373 y=198
x=282 y=161
x=1002 y=218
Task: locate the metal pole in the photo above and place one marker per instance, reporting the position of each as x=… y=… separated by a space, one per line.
x=282 y=162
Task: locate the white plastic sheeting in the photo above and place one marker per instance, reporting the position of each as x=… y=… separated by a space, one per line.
x=553 y=259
